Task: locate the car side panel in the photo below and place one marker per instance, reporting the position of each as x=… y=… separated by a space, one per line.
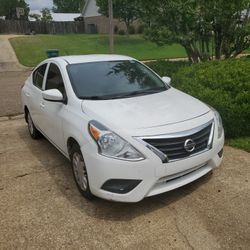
x=31 y=98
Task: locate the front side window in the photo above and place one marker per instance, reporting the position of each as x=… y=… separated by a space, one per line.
x=54 y=79
x=113 y=79
x=38 y=76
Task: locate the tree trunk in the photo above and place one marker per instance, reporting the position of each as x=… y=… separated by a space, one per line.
x=111 y=28
x=192 y=55
x=197 y=52
x=217 y=43
x=127 y=22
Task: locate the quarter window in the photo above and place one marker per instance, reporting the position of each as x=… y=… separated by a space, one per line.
x=38 y=76
x=54 y=79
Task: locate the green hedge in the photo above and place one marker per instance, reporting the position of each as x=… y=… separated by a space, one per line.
x=167 y=68
x=225 y=85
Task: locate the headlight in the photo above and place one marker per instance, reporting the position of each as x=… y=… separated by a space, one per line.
x=111 y=144
x=219 y=123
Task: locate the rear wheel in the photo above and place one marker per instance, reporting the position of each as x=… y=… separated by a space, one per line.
x=80 y=172
x=34 y=133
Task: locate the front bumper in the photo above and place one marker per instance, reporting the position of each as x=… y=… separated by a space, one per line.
x=155 y=177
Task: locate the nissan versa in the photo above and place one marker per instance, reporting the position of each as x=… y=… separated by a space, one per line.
x=127 y=132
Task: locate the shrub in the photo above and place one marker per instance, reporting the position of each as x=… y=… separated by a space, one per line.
x=121 y=32
x=116 y=29
x=167 y=68
x=131 y=30
x=225 y=85
x=140 y=29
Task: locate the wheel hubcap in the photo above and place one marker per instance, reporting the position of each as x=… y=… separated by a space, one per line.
x=80 y=172
x=30 y=124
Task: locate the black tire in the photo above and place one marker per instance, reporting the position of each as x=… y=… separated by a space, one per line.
x=80 y=172
x=34 y=133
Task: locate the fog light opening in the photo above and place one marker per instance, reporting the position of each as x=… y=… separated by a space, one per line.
x=120 y=186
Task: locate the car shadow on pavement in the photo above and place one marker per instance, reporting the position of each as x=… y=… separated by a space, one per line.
x=59 y=169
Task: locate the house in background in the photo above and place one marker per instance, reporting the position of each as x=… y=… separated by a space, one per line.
x=96 y=22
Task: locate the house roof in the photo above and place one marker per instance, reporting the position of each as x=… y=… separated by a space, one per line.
x=58 y=17
x=64 y=17
x=90 y=9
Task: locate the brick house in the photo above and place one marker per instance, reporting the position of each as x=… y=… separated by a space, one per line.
x=96 y=22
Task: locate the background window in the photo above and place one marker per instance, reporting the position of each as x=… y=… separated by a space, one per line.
x=38 y=76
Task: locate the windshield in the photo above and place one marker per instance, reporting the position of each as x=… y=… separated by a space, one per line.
x=113 y=79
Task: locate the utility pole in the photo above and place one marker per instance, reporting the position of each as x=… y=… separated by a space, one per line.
x=111 y=27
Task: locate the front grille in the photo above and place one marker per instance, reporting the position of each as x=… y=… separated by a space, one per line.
x=174 y=149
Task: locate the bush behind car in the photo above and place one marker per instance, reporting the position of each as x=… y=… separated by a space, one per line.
x=225 y=85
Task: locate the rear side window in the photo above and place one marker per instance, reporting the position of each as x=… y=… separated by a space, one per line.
x=54 y=79
x=38 y=76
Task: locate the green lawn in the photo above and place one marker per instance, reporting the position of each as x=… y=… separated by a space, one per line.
x=31 y=50
x=242 y=143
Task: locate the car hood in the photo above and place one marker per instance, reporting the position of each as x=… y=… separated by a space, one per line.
x=147 y=111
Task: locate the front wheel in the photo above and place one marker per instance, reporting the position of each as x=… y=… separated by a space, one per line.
x=80 y=172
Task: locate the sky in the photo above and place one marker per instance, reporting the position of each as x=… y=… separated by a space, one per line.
x=39 y=4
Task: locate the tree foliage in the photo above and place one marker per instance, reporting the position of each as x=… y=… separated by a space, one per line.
x=8 y=9
x=124 y=10
x=68 y=6
x=195 y=24
x=230 y=24
x=46 y=15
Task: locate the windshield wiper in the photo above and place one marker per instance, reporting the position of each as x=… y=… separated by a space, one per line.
x=93 y=97
x=140 y=92
x=129 y=94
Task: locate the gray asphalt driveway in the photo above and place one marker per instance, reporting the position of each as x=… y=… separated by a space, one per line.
x=40 y=207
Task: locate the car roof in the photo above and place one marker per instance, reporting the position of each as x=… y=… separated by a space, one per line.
x=92 y=58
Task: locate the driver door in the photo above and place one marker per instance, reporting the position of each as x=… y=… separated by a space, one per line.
x=53 y=112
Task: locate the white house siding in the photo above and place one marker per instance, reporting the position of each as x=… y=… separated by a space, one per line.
x=91 y=9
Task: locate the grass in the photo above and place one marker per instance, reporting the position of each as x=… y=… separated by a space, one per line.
x=242 y=143
x=31 y=50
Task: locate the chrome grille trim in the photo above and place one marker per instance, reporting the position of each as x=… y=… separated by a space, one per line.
x=181 y=174
x=169 y=150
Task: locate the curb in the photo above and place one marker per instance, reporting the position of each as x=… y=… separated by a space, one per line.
x=11 y=117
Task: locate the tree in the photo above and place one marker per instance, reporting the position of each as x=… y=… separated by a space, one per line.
x=195 y=23
x=8 y=9
x=124 y=10
x=230 y=25
x=68 y=6
x=174 y=21
x=46 y=15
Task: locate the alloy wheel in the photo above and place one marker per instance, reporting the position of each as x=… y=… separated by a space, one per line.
x=80 y=171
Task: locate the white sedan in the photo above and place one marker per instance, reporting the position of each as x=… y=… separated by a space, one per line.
x=127 y=132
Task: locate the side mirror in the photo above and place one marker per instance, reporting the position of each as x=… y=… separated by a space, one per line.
x=166 y=79
x=53 y=95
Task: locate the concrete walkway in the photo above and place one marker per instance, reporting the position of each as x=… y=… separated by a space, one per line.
x=8 y=59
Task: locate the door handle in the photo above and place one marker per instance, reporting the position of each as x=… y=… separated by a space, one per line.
x=42 y=105
x=27 y=94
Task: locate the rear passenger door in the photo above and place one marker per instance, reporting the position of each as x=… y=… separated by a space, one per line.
x=53 y=112
x=34 y=94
